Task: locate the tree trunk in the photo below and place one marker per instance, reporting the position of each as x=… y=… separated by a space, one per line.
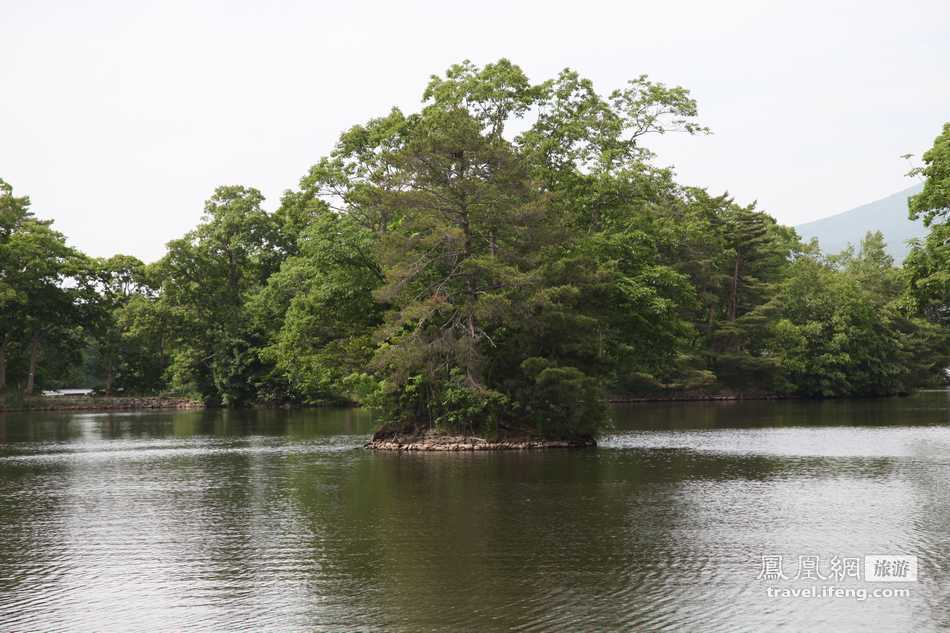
x=234 y=278
x=471 y=371
x=108 y=385
x=3 y=367
x=734 y=290
x=34 y=361
x=469 y=285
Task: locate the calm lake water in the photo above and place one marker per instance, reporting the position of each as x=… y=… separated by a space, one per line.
x=279 y=521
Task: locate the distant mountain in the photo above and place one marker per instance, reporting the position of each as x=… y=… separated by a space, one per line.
x=888 y=215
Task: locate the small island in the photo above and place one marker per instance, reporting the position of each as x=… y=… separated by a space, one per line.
x=391 y=438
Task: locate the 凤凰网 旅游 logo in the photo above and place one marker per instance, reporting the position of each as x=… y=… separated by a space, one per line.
x=837 y=576
x=870 y=568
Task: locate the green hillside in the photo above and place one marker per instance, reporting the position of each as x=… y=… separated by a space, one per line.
x=888 y=215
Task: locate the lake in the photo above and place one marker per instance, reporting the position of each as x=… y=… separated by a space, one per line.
x=280 y=521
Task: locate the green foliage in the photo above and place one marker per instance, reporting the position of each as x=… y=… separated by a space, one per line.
x=318 y=310
x=928 y=265
x=933 y=203
x=205 y=282
x=838 y=327
x=39 y=310
x=114 y=290
x=928 y=273
x=824 y=335
x=561 y=401
x=485 y=268
x=464 y=278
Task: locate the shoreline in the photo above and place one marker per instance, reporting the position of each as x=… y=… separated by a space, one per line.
x=685 y=396
x=148 y=403
x=102 y=403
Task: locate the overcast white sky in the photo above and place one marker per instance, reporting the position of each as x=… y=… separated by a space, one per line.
x=120 y=117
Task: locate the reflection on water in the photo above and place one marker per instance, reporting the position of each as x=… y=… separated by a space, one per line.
x=276 y=520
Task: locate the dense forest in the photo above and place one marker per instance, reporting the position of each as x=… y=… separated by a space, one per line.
x=503 y=259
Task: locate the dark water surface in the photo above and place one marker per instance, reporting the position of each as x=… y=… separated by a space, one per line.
x=279 y=521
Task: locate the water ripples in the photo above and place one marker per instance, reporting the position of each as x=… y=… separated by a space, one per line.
x=291 y=529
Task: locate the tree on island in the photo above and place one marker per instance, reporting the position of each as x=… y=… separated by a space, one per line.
x=502 y=257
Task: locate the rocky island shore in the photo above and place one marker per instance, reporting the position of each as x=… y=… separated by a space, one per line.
x=387 y=440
